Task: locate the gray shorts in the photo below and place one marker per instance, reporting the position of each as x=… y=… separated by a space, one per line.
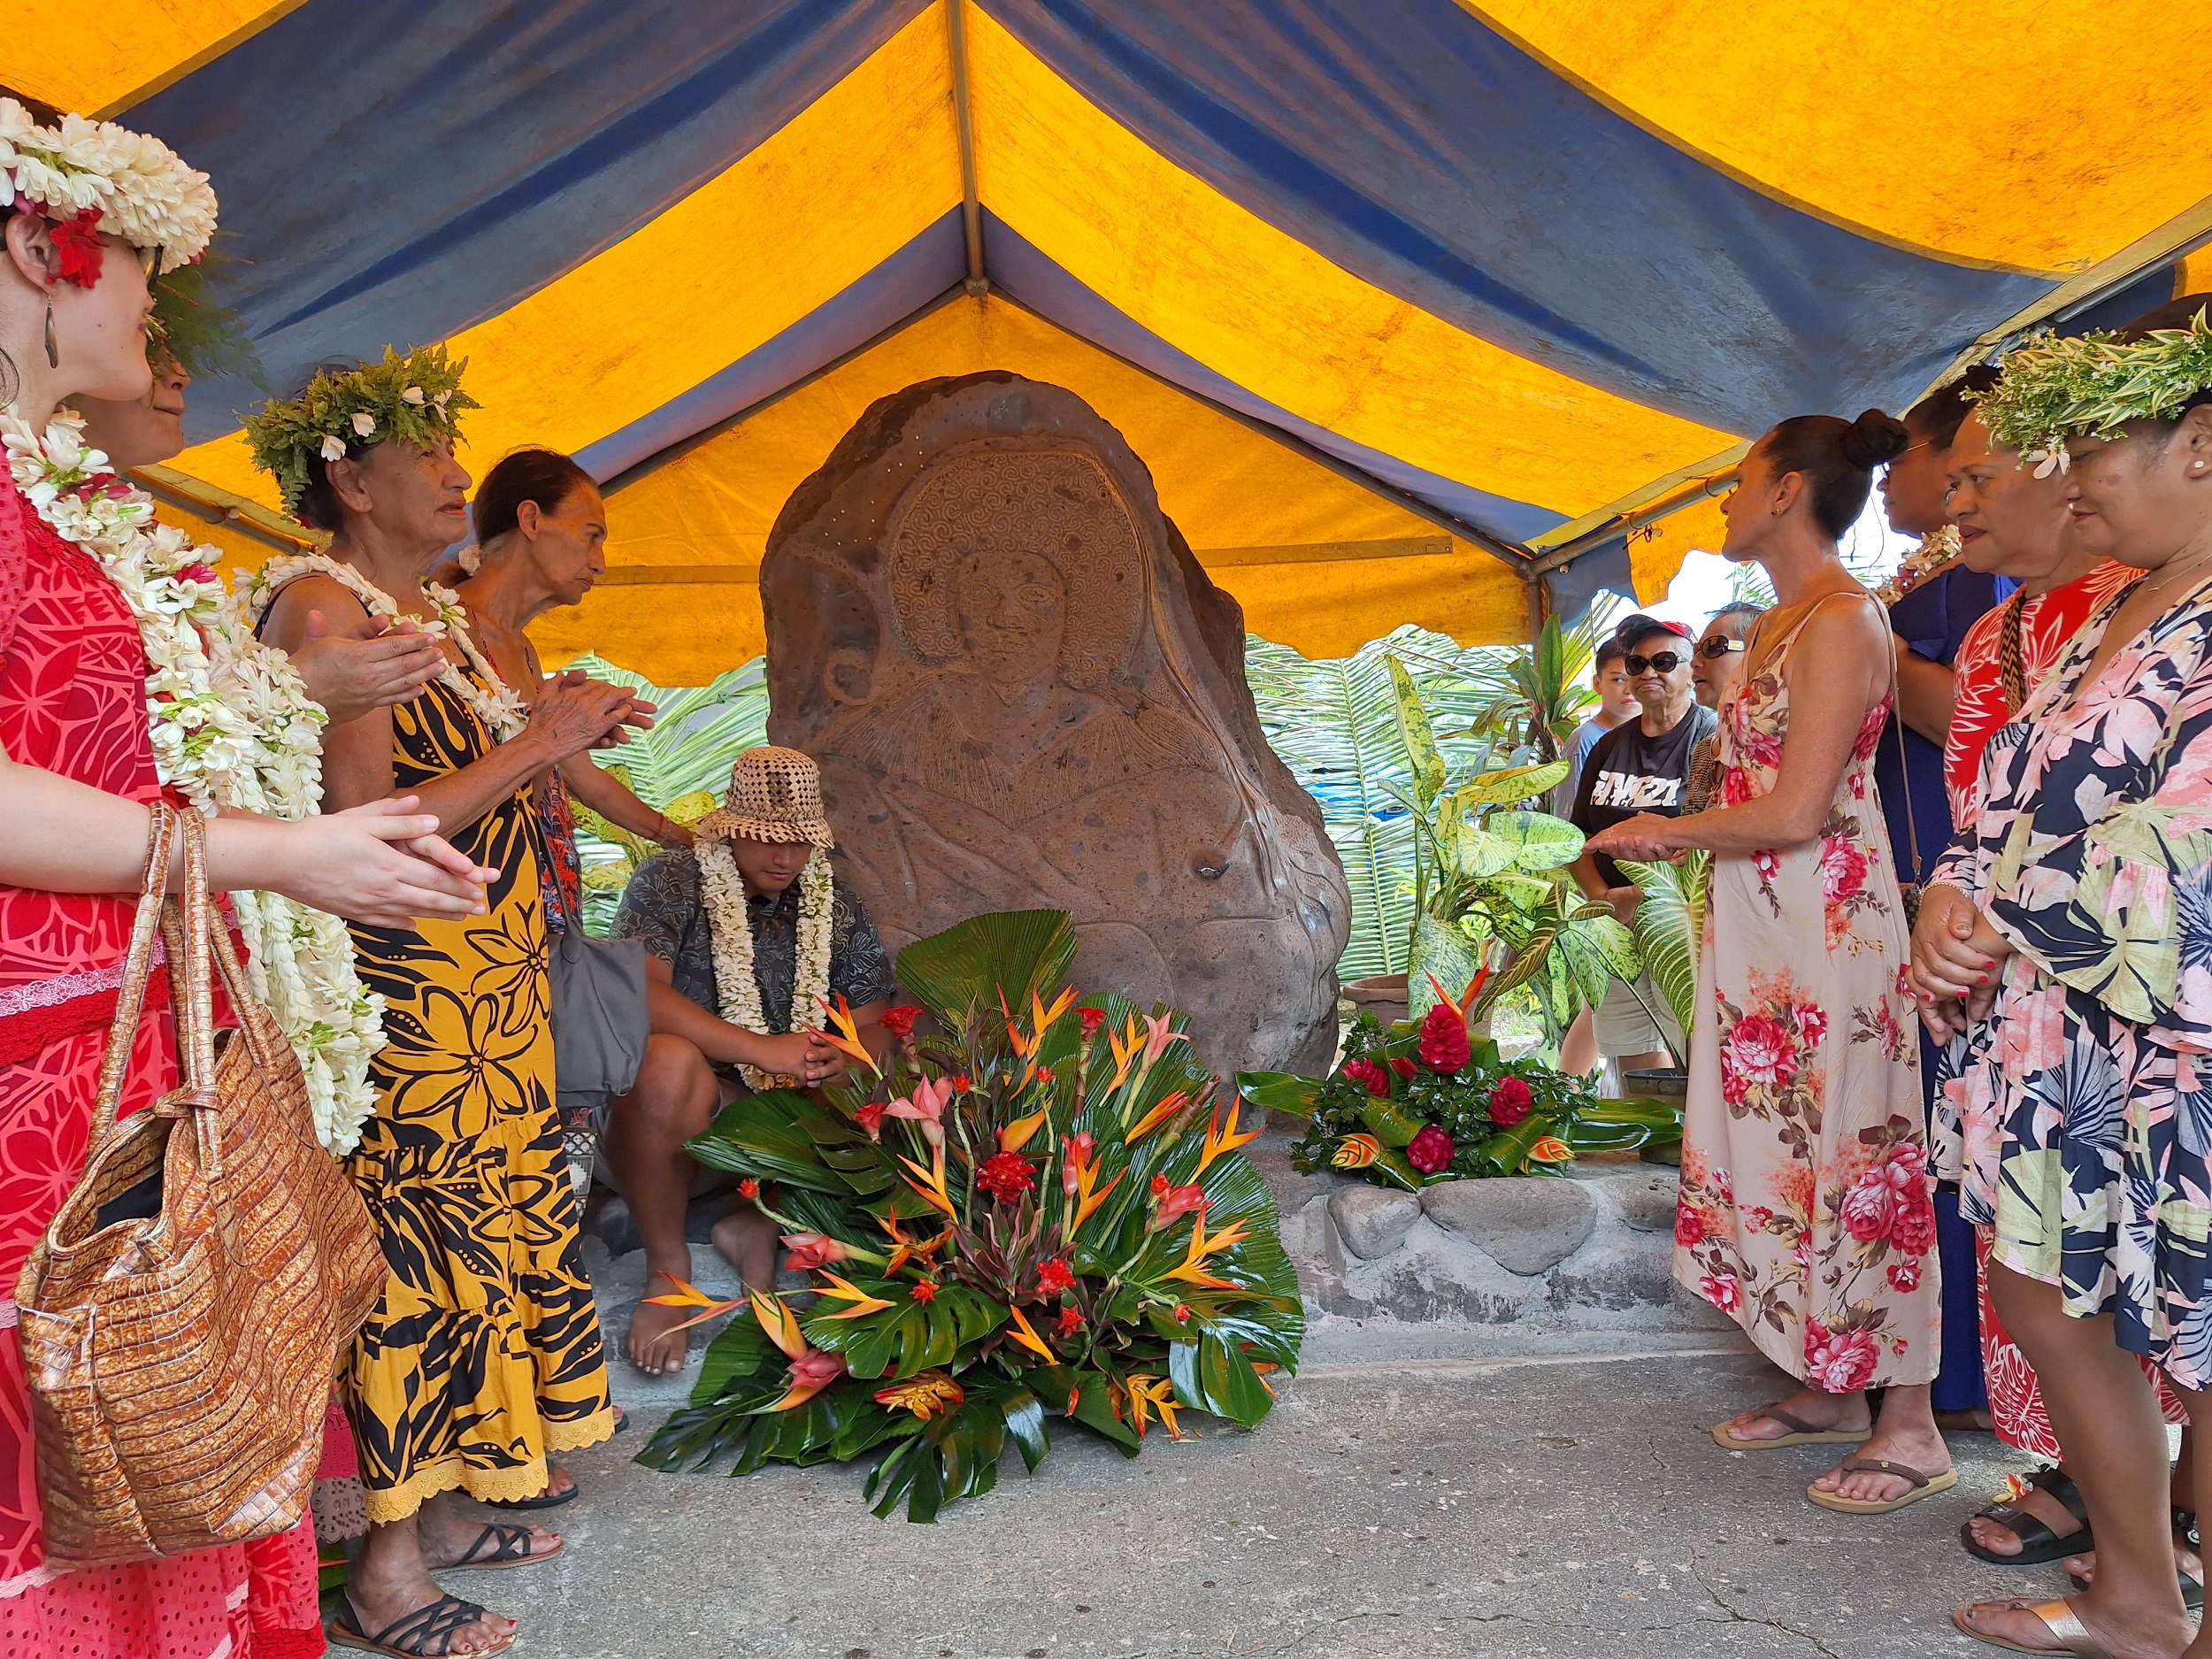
x=1624 y=1028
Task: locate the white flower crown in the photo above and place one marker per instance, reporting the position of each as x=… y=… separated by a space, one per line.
x=138 y=186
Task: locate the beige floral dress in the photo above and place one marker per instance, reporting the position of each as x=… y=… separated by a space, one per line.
x=1807 y=1209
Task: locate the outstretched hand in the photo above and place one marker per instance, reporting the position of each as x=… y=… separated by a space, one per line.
x=374 y=664
x=383 y=864
x=1640 y=840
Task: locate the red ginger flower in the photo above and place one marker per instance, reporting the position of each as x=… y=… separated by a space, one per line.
x=1090 y=1019
x=1403 y=1067
x=1055 y=1276
x=1369 y=1075
x=899 y=1021
x=1006 y=1175
x=1510 y=1101
x=1070 y=1321
x=1431 y=1150
x=925 y=1290
x=748 y=1188
x=1444 y=1046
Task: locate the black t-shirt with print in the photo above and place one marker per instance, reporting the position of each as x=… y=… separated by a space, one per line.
x=1629 y=772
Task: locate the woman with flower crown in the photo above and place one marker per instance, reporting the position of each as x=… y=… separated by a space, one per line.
x=2067 y=934
x=484 y=1356
x=87 y=210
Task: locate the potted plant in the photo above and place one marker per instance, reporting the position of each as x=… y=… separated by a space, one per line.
x=1040 y=1210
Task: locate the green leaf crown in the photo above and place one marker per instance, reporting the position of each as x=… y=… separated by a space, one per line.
x=415 y=399
x=2093 y=385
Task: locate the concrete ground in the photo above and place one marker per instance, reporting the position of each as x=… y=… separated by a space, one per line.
x=1393 y=1507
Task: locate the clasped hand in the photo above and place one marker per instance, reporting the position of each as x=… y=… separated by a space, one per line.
x=1957 y=962
x=574 y=711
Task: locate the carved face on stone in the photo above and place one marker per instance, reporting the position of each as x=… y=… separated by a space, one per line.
x=1011 y=612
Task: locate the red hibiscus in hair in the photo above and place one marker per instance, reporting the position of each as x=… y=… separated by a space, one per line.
x=1006 y=1175
x=1510 y=1101
x=77 y=245
x=1090 y=1019
x=899 y=1021
x=1053 y=1276
x=1839 y=1362
x=1431 y=1150
x=1369 y=1076
x=1444 y=1046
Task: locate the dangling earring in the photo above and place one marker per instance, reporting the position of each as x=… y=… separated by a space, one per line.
x=53 y=355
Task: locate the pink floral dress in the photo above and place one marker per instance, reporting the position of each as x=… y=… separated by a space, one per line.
x=1807 y=1209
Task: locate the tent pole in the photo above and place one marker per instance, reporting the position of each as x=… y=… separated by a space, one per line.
x=964 y=119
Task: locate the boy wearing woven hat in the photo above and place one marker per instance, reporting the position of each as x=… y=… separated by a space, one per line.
x=747 y=935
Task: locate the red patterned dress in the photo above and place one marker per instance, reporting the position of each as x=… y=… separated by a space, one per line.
x=73 y=687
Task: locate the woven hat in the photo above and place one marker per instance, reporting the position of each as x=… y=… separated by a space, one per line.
x=775 y=795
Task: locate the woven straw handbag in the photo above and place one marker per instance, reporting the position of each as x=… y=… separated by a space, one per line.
x=181 y=1317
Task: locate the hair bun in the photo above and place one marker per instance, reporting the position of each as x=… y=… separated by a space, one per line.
x=1874 y=438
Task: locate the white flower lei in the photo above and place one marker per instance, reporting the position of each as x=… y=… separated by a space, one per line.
x=1938 y=551
x=233 y=727
x=497 y=704
x=140 y=187
x=722 y=887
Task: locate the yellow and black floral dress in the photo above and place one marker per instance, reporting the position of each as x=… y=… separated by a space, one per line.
x=484 y=1354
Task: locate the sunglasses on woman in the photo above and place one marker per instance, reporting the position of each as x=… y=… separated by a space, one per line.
x=1713 y=649
x=1663 y=662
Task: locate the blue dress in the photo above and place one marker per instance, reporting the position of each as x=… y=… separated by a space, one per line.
x=1932 y=620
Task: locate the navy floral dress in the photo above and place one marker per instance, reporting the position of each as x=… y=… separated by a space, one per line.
x=2081 y=1112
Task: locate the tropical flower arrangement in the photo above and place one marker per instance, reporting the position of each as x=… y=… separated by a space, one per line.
x=1420 y=1105
x=1039 y=1209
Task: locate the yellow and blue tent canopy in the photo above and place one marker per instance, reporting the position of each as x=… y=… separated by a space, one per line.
x=1404 y=301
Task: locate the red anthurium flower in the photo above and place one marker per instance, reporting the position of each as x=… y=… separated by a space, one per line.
x=77 y=245
x=1070 y=1321
x=1431 y=1150
x=870 y=1118
x=899 y=1021
x=1510 y=1102
x=925 y=1290
x=1444 y=1046
x=1055 y=1276
x=1006 y=1175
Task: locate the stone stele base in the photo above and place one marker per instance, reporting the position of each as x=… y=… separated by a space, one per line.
x=1553 y=1256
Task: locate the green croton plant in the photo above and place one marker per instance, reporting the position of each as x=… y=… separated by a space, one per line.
x=1040 y=1210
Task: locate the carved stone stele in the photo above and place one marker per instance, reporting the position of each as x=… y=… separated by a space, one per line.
x=1024 y=692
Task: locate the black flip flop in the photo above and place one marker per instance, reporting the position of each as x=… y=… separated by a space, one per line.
x=439 y=1622
x=2038 y=1542
x=543 y=1500
x=508 y=1547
